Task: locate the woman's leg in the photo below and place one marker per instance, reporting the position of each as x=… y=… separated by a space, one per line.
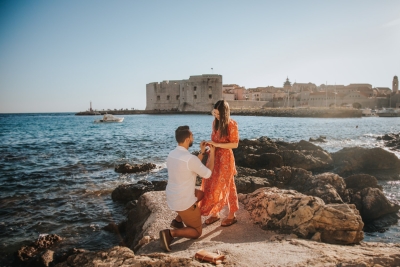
x=233 y=202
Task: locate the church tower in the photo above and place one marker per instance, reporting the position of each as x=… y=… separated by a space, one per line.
x=287 y=86
x=395 y=85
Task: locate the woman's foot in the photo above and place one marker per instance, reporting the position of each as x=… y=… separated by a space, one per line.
x=212 y=219
x=228 y=222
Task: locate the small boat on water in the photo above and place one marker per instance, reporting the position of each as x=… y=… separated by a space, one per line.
x=110 y=118
x=388 y=112
x=367 y=112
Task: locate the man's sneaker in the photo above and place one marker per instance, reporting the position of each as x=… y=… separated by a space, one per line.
x=166 y=239
x=176 y=225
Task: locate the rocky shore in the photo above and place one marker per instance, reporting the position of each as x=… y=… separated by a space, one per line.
x=270 y=112
x=299 y=206
x=392 y=141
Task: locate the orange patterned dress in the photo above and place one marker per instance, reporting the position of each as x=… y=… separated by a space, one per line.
x=220 y=188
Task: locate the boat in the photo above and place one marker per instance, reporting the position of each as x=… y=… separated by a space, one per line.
x=110 y=118
x=388 y=112
x=367 y=112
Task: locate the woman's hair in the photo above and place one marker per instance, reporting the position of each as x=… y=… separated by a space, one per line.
x=224 y=115
x=181 y=133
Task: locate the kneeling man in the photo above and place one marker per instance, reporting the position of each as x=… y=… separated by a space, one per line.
x=183 y=167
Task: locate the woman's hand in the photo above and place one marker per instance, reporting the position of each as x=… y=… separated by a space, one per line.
x=212 y=143
x=223 y=145
x=212 y=149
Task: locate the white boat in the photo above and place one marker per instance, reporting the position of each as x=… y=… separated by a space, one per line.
x=367 y=112
x=109 y=118
x=388 y=112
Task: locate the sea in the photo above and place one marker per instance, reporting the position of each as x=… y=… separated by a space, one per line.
x=57 y=169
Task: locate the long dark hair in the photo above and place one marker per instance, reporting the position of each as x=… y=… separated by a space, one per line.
x=224 y=115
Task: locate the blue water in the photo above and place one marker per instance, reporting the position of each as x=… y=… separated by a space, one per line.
x=57 y=170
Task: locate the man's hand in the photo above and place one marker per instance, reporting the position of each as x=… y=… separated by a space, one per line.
x=212 y=149
x=203 y=146
x=212 y=143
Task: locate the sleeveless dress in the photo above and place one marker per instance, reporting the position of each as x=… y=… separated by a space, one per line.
x=220 y=188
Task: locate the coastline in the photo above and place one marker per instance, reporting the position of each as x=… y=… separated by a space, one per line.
x=268 y=112
x=248 y=181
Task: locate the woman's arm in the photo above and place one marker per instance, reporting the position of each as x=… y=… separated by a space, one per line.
x=223 y=145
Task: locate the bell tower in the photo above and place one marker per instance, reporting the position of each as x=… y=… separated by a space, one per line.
x=395 y=85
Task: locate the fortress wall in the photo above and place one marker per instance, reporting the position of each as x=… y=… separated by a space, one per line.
x=162 y=96
x=201 y=92
x=198 y=93
x=246 y=104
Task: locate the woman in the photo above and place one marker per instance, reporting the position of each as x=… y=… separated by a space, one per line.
x=220 y=188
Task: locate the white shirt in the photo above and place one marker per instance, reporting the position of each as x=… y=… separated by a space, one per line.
x=183 y=168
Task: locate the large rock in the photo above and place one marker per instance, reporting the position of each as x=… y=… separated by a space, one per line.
x=373 y=204
x=291 y=212
x=376 y=161
x=249 y=184
x=376 y=210
x=358 y=182
x=308 y=160
x=122 y=256
x=263 y=161
x=248 y=153
x=39 y=252
x=329 y=187
x=134 y=168
x=391 y=140
x=150 y=215
x=243 y=244
x=263 y=153
x=128 y=192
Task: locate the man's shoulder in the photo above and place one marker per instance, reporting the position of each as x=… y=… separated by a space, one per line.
x=180 y=154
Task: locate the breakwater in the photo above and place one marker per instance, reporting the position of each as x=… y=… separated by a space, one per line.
x=269 y=112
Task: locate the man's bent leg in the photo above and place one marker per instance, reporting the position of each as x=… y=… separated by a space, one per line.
x=198 y=194
x=177 y=222
x=192 y=219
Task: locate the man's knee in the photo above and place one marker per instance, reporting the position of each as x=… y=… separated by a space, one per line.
x=199 y=232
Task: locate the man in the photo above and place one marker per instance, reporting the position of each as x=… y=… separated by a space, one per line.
x=183 y=167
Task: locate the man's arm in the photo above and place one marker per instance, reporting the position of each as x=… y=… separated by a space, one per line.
x=204 y=171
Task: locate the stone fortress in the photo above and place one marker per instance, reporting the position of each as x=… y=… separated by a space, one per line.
x=199 y=93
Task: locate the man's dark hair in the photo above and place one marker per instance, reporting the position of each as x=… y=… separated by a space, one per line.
x=181 y=133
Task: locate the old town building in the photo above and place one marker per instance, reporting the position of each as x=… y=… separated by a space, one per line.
x=199 y=93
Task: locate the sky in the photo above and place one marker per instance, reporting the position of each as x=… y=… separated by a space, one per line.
x=57 y=56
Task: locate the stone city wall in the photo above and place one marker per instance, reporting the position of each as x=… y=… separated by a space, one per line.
x=198 y=93
x=246 y=104
x=301 y=112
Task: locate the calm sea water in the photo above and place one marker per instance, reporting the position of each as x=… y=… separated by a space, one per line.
x=57 y=170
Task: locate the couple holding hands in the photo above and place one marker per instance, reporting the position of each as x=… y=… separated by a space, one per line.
x=218 y=187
